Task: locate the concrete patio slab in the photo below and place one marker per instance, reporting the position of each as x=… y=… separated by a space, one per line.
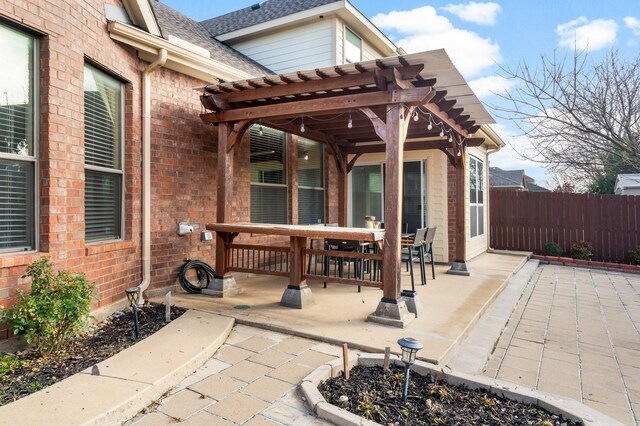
x=452 y=304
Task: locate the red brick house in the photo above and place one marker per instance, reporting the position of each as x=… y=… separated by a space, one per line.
x=103 y=152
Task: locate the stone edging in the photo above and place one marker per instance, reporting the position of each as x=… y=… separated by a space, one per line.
x=568 y=408
x=579 y=263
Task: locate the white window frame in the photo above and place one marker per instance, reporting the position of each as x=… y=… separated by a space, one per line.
x=274 y=185
x=346 y=42
x=479 y=204
x=34 y=157
x=315 y=188
x=108 y=170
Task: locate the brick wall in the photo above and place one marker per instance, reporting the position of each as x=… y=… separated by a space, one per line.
x=183 y=157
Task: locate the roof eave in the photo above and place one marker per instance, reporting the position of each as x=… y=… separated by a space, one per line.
x=179 y=58
x=142 y=15
x=341 y=8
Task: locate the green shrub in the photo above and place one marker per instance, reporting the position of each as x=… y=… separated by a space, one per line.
x=582 y=250
x=553 y=249
x=634 y=256
x=56 y=310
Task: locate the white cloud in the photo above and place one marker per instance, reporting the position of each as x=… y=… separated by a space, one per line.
x=633 y=24
x=478 y=13
x=582 y=34
x=423 y=29
x=493 y=85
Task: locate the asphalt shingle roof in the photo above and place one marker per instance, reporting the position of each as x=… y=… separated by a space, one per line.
x=252 y=15
x=174 y=23
x=501 y=178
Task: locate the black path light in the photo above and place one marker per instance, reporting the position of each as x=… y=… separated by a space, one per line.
x=133 y=294
x=410 y=348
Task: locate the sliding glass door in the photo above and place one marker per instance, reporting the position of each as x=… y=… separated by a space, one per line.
x=368 y=195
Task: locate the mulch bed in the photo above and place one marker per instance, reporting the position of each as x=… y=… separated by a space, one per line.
x=378 y=397
x=27 y=372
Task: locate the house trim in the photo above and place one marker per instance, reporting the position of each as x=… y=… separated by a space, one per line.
x=179 y=58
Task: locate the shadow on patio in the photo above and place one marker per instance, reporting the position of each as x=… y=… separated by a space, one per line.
x=452 y=304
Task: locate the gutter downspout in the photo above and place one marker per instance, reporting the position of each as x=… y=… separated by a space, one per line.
x=146 y=170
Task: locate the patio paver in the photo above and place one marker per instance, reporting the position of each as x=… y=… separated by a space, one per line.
x=575 y=333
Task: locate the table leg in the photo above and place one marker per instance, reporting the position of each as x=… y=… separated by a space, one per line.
x=298 y=294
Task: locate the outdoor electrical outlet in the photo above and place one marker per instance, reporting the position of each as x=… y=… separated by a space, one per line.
x=184 y=228
x=206 y=236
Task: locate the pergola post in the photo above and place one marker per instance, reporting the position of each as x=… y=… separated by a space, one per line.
x=392 y=309
x=225 y=285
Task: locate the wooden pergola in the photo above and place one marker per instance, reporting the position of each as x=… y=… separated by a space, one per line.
x=356 y=109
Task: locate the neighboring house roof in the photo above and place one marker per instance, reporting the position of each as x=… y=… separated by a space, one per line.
x=173 y=23
x=499 y=178
x=513 y=179
x=627 y=182
x=259 y=13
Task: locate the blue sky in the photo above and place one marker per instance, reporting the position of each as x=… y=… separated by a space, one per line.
x=483 y=36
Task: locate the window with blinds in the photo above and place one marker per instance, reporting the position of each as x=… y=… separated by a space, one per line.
x=17 y=153
x=103 y=99
x=310 y=182
x=268 y=175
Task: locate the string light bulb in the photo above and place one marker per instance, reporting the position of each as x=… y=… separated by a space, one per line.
x=450 y=138
x=415 y=116
x=260 y=132
x=350 y=122
x=441 y=132
x=430 y=125
x=302 y=124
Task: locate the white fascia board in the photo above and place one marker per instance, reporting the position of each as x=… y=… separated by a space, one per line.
x=142 y=15
x=178 y=58
x=491 y=137
x=305 y=15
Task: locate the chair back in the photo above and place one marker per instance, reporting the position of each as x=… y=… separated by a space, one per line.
x=428 y=238
x=421 y=234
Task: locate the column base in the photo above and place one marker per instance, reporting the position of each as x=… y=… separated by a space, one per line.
x=222 y=287
x=393 y=313
x=297 y=297
x=459 y=267
x=411 y=299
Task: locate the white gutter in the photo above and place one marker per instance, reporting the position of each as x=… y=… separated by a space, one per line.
x=146 y=170
x=179 y=58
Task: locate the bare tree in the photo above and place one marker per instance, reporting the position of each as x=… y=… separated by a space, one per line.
x=581 y=117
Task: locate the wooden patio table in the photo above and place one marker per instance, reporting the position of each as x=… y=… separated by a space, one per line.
x=299 y=236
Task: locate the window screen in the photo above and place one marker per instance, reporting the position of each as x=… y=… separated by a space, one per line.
x=476 y=197
x=103 y=155
x=17 y=153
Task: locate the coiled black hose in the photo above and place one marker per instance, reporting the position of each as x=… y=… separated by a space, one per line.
x=204 y=275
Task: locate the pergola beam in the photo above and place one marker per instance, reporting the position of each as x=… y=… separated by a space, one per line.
x=416 y=96
x=410 y=146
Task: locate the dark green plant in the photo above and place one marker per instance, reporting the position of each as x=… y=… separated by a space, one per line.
x=582 y=250
x=634 y=256
x=56 y=310
x=553 y=249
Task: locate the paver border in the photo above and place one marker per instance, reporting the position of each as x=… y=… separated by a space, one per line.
x=570 y=409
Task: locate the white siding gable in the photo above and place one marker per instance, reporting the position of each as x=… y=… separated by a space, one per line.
x=303 y=47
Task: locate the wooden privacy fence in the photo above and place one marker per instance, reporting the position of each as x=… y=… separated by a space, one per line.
x=529 y=220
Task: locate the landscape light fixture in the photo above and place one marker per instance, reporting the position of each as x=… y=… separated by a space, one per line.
x=133 y=294
x=410 y=348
